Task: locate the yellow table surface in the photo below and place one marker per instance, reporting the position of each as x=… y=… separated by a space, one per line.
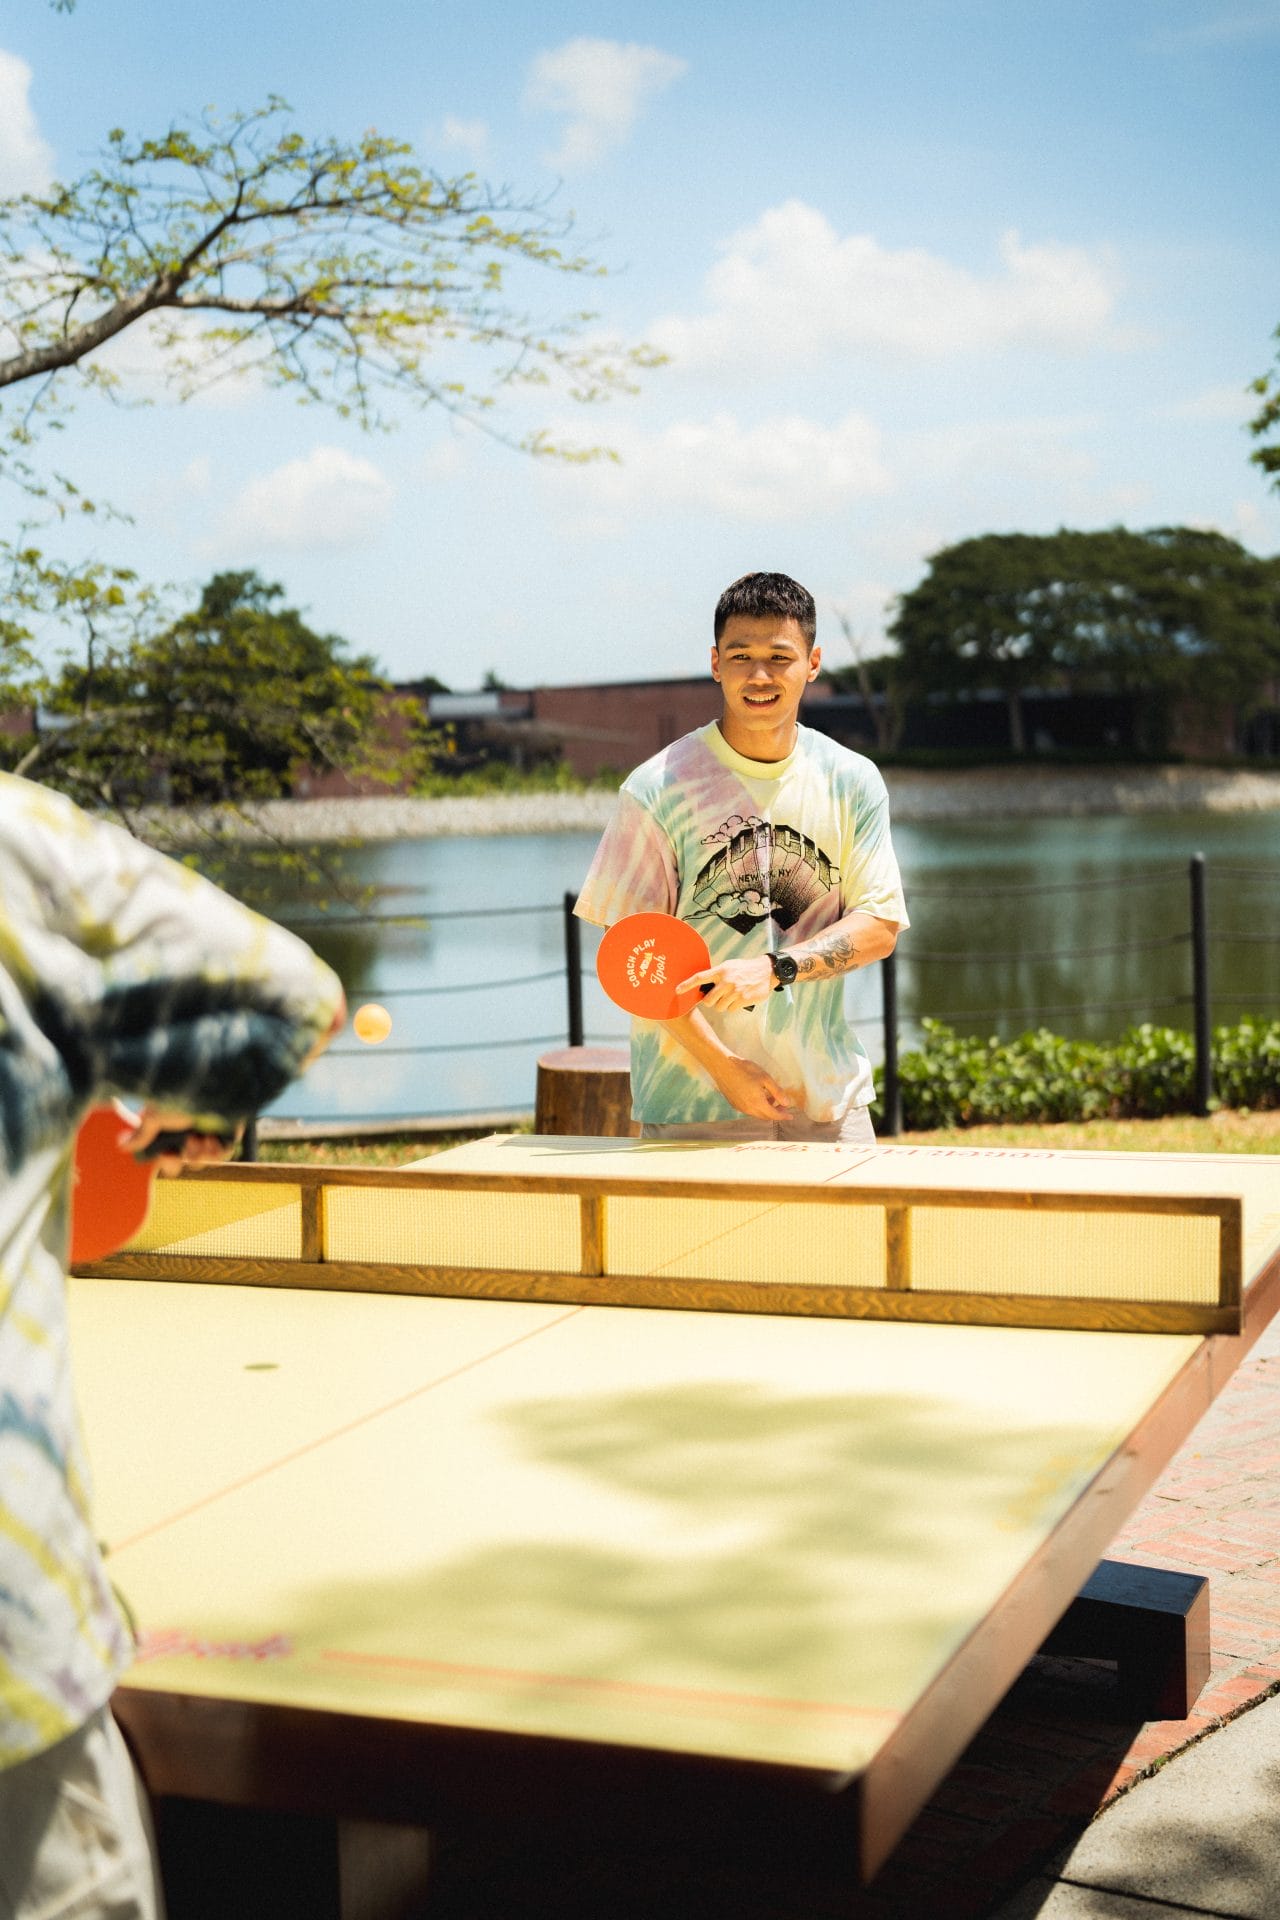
x=742 y=1536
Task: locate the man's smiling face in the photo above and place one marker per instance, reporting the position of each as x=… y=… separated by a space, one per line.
x=763 y=666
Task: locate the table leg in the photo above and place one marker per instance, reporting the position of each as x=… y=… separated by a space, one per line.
x=263 y=1864
x=1154 y=1623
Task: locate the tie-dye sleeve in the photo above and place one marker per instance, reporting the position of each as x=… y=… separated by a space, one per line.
x=634 y=870
x=150 y=982
x=871 y=882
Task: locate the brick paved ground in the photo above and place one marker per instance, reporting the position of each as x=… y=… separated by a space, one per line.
x=1050 y=1757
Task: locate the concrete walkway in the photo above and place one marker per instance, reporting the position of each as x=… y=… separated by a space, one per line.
x=984 y=793
x=1200 y=1837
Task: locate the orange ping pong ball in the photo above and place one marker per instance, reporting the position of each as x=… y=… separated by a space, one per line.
x=372 y=1023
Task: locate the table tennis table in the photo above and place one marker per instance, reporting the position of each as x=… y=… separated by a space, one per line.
x=672 y=1494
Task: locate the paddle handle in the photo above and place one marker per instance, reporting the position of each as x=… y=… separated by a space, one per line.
x=175 y=1139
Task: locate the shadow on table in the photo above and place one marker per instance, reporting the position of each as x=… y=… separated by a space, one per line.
x=718 y=1453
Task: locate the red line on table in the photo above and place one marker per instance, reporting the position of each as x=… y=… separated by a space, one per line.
x=591 y=1683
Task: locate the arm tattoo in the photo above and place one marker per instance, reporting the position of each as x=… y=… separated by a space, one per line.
x=827 y=953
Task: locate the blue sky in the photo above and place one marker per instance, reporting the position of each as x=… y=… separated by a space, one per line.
x=923 y=270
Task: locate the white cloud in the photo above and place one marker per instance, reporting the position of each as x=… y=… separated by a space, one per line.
x=791 y=290
x=466 y=136
x=26 y=158
x=600 y=86
x=1254 y=524
x=1049 y=447
x=1020 y=472
x=1236 y=28
x=1028 y=475
x=196 y=477
x=785 y=468
x=329 y=499
x=1217 y=403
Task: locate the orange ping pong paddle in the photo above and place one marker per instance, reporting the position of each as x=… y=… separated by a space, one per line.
x=111 y=1186
x=642 y=960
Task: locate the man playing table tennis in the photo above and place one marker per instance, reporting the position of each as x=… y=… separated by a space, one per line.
x=120 y=973
x=773 y=841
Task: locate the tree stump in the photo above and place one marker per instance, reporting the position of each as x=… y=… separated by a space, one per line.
x=585 y=1090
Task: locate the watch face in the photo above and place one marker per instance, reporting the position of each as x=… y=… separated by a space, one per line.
x=784 y=967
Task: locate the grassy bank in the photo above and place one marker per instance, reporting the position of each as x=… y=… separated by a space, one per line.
x=1224 y=1132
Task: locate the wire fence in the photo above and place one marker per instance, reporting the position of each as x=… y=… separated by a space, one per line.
x=1194 y=935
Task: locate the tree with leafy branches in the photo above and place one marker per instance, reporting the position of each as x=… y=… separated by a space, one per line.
x=227 y=701
x=342 y=271
x=1167 y=614
x=1265 y=425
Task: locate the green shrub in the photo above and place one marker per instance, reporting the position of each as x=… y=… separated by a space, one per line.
x=1246 y=1064
x=498 y=777
x=1154 y=1072
x=958 y=1081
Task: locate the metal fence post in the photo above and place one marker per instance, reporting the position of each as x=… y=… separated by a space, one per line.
x=891 y=1120
x=573 y=967
x=1200 y=985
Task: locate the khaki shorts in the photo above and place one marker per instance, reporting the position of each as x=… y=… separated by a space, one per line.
x=855 y=1130
x=77 y=1840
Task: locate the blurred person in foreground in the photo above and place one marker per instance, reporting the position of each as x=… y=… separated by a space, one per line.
x=773 y=842
x=121 y=973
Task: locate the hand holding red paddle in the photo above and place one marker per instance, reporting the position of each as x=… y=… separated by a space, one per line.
x=656 y=966
x=734 y=986
x=649 y=964
x=117 y=1155
x=644 y=959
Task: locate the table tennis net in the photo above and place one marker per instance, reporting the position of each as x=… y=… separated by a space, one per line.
x=1101 y=1259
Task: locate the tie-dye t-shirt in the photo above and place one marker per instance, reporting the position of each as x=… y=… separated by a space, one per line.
x=120 y=973
x=757 y=855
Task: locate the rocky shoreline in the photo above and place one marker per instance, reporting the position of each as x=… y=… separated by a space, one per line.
x=990 y=793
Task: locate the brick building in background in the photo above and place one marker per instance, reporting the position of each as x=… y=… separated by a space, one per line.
x=603 y=729
x=596 y=730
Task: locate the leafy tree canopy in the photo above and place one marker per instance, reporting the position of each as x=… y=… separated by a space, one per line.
x=1174 y=610
x=1265 y=425
x=224 y=703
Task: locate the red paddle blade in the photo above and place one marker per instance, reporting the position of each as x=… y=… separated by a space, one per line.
x=643 y=959
x=111 y=1189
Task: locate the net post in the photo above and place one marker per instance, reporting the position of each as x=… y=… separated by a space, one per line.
x=1231 y=1258
x=891 y=1116
x=311 y=1204
x=591 y=1218
x=573 y=967
x=897 y=1249
x=1200 y=985
x=249 y=1140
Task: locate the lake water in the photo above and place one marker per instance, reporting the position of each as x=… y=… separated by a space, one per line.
x=1080 y=925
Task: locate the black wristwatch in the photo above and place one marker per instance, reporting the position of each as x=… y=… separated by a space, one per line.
x=784 y=967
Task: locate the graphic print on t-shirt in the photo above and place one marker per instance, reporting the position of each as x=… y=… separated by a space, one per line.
x=758 y=871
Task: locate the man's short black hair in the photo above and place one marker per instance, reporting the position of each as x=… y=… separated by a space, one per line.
x=759 y=595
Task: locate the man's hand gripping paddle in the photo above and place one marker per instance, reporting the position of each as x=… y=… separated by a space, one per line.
x=111 y=1189
x=642 y=960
